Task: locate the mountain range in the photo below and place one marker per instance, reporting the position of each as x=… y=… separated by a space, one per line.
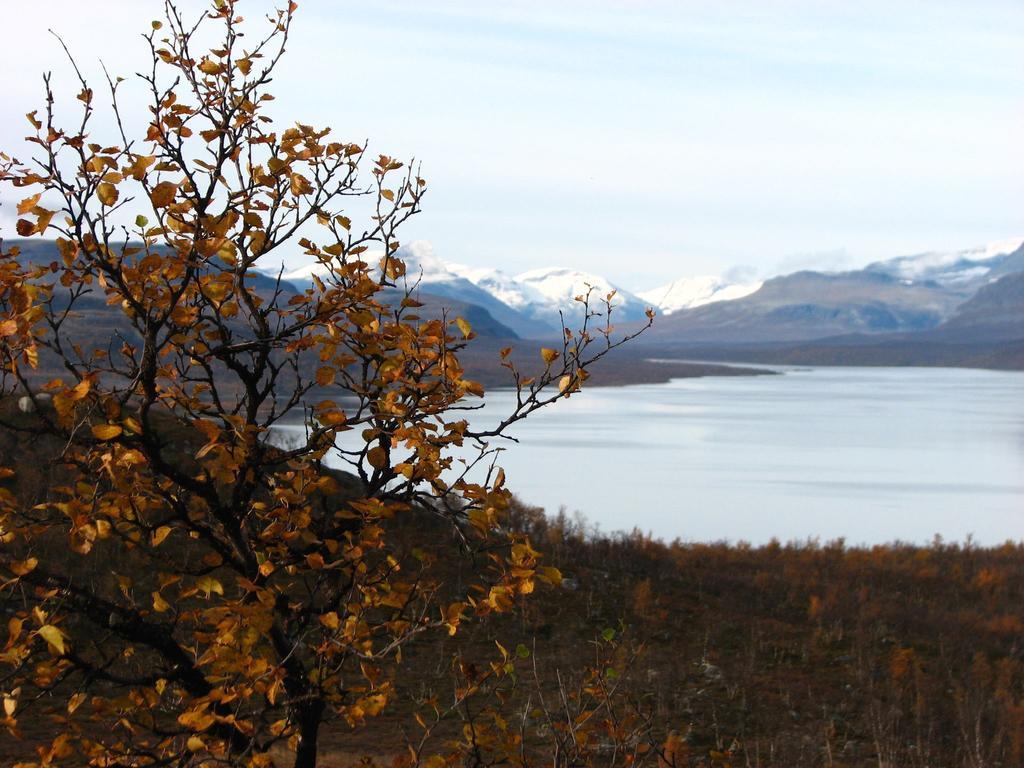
x=972 y=296
x=953 y=291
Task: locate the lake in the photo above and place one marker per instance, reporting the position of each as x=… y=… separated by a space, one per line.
x=869 y=454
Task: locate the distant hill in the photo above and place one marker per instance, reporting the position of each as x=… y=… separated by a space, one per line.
x=996 y=311
x=39 y=251
x=810 y=305
x=965 y=269
x=906 y=294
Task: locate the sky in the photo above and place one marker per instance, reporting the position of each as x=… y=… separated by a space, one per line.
x=642 y=140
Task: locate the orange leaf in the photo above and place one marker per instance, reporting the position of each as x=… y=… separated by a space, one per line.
x=325 y=375
x=106 y=431
x=377 y=457
x=160 y=534
x=163 y=194
x=210 y=67
x=300 y=185
x=28 y=204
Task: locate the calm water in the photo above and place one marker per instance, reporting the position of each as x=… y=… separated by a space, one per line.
x=869 y=454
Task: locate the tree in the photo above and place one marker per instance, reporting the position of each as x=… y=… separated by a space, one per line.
x=189 y=593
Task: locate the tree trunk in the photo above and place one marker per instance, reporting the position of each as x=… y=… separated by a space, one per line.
x=309 y=717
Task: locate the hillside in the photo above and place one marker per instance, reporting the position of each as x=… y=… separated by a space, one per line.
x=996 y=311
x=781 y=656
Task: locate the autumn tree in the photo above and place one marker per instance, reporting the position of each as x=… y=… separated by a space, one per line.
x=186 y=592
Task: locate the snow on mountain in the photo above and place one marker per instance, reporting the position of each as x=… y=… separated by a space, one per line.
x=530 y=303
x=689 y=292
x=949 y=268
x=542 y=293
x=438 y=278
x=420 y=261
x=559 y=286
x=501 y=286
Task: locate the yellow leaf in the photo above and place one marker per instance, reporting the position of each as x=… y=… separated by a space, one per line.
x=160 y=534
x=75 y=702
x=20 y=568
x=209 y=585
x=198 y=719
x=209 y=67
x=106 y=431
x=465 y=327
x=159 y=604
x=28 y=204
x=53 y=636
x=107 y=193
x=80 y=390
x=551 y=575
x=549 y=355
x=137 y=170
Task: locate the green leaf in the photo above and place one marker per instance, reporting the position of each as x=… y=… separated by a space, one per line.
x=608 y=634
x=522 y=651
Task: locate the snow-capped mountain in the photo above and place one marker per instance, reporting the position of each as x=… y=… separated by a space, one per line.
x=501 y=286
x=421 y=264
x=530 y=303
x=436 y=278
x=951 y=269
x=559 y=287
x=902 y=294
x=690 y=292
x=543 y=294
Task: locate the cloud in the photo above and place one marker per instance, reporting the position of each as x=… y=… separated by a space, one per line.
x=835 y=260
